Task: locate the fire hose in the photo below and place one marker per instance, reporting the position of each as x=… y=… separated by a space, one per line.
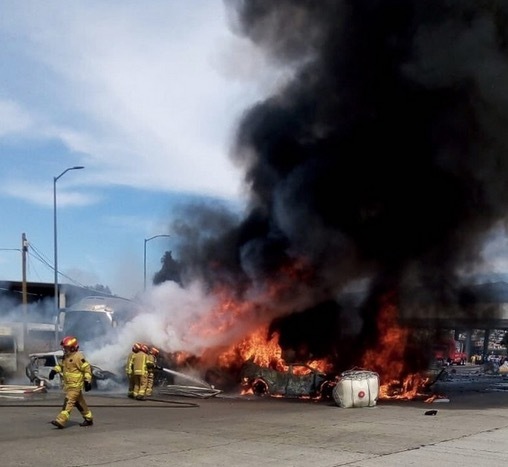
x=167 y=404
x=203 y=391
x=10 y=393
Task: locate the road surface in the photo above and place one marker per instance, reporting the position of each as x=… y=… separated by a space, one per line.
x=226 y=430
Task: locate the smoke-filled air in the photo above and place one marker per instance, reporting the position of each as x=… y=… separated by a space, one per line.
x=379 y=166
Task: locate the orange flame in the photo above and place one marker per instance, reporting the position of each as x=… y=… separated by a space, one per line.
x=224 y=322
x=387 y=358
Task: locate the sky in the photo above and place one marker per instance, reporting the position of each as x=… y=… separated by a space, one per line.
x=145 y=96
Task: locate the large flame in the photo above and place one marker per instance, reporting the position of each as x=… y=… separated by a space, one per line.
x=388 y=356
x=237 y=332
x=265 y=351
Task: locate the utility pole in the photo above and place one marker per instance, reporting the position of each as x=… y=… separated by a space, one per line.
x=24 y=292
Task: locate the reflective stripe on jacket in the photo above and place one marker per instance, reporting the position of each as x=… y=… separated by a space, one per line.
x=75 y=370
x=129 y=364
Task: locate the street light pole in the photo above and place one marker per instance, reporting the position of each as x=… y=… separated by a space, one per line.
x=55 y=179
x=144 y=256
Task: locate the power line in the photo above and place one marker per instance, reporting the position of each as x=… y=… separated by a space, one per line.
x=40 y=257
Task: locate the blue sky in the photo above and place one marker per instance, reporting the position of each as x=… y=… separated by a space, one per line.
x=146 y=96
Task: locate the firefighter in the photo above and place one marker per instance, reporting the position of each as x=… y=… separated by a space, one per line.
x=136 y=347
x=140 y=372
x=76 y=375
x=152 y=365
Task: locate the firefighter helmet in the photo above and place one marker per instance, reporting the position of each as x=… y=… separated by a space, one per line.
x=145 y=348
x=70 y=343
x=154 y=351
x=136 y=347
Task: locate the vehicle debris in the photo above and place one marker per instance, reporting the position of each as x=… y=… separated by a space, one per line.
x=189 y=391
x=299 y=381
x=436 y=398
x=41 y=363
x=204 y=390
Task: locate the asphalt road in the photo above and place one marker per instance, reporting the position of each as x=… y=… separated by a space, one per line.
x=469 y=430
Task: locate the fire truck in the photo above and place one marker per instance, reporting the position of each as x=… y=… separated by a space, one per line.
x=449 y=351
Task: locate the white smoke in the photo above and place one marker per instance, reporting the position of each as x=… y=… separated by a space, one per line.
x=165 y=322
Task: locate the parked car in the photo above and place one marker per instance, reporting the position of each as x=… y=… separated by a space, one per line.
x=299 y=381
x=40 y=364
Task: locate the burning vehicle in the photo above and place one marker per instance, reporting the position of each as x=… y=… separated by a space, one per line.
x=299 y=380
x=40 y=364
x=377 y=163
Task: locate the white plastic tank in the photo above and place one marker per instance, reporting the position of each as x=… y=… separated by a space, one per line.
x=357 y=388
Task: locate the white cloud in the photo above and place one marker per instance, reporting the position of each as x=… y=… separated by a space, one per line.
x=147 y=94
x=13 y=118
x=41 y=196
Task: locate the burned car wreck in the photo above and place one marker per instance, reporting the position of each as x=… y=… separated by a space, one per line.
x=300 y=380
x=40 y=364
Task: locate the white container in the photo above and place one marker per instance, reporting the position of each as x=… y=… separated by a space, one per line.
x=357 y=389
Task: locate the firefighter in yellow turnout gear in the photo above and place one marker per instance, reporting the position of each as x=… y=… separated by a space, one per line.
x=129 y=368
x=76 y=374
x=140 y=373
x=151 y=367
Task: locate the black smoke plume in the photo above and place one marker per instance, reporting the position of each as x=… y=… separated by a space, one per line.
x=384 y=158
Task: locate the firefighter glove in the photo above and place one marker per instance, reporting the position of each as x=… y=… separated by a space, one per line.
x=157 y=367
x=88 y=386
x=52 y=374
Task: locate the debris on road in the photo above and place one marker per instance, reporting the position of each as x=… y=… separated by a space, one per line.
x=15 y=390
x=436 y=398
x=204 y=390
x=189 y=391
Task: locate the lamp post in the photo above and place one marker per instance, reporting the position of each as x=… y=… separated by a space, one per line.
x=144 y=256
x=55 y=179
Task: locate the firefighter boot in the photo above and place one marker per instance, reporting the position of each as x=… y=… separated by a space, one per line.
x=57 y=424
x=86 y=422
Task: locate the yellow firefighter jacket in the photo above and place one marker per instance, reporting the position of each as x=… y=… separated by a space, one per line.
x=139 y=364
x=75 y=370
x=129 y=364
x=150 y=362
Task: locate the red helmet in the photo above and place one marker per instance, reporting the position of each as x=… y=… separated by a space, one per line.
x=154 y=351
x=136 y=347
x=145 y=348
x=70 y=343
